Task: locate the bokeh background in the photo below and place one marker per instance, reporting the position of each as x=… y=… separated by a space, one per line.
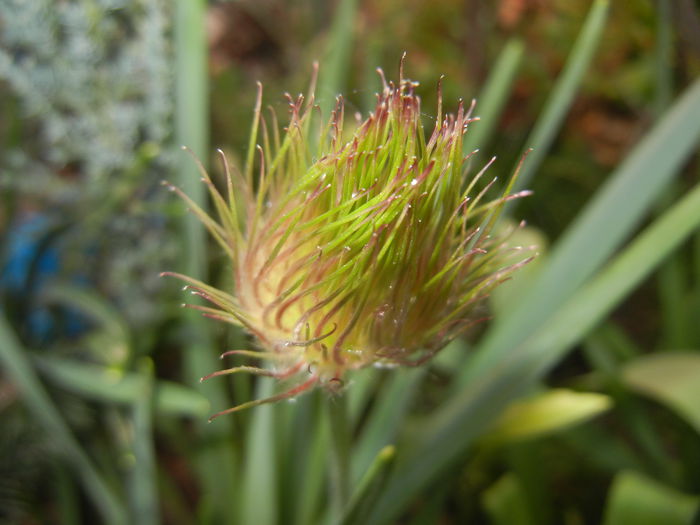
x=102 y=417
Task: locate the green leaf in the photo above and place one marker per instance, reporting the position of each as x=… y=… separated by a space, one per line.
x=639 y=500
x=559 y=101
x=671 y=378
x=108 y=385
x=494 y=95
x=311 y=492
x=383 y=422
x=335 y=63
x=215 y=462
x=506 y=503
x=367 y=491
x=546 y=413
x=258 y=486
x=19 y=370
x=109 y=341
x=599 y=230
x=91 y=305
x=143 y=488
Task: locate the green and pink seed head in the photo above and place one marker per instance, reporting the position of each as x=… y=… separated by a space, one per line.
x=378 y=250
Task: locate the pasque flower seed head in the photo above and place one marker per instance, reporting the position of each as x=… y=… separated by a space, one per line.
x=353 y=249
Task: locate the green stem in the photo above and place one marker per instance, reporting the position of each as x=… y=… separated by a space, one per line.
x=369 y=486
x=215 y=463
x=337 y=408
x=144 y=485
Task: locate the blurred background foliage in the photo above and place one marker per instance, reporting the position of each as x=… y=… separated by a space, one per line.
x=579 y=403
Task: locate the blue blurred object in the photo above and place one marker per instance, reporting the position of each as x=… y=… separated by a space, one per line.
x=31 y=260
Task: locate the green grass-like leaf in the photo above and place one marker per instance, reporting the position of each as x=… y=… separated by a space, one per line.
x=215 y=464
x=18 y=367
x=494 y=95
x=600 y=229
x=106 y=385
x=561 y=97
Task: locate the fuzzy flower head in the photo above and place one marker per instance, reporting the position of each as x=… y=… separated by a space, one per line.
x=353 y=249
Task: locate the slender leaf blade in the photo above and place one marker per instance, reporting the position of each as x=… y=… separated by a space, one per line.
x=600 y=229
x=18 y=367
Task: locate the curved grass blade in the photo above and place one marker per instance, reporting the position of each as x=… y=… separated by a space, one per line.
x=106 y=385
x=18 y=368
x=367 y=491
x=599 y=230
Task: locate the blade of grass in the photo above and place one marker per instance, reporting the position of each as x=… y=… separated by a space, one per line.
x=68 y=509
x=613 y=213
x=103 y=384
x=294 y=450
x=494 y=95
x=337 y=410
x=335 y=66
x=367 y=491
x=259 y=484
x=559 y=101
x=603 y=449
x=311 y=490
x=663 y=57
x=372 y=47
x=676 y=323
x=89 y=303
x=671 y=285
x=144 y=487
x=621 y=346
x=470 y=412
x=18 y=368
x=388 y=411
x=215 y=463
x=359 y=392
x=631 y=412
